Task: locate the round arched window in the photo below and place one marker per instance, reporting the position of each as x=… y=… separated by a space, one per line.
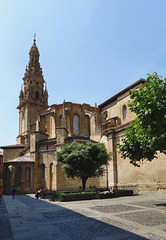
x=124 y=112
x=75 y=125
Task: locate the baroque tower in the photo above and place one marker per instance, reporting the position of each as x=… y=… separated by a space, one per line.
x=33 y=98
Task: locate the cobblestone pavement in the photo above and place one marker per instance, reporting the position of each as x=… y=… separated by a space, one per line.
x=127 y=218
x=5 y=228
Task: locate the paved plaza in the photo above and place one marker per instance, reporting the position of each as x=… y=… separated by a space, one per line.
x=126 y=218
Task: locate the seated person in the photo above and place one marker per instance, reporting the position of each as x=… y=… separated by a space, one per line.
x=111 y=190
x=38 y=193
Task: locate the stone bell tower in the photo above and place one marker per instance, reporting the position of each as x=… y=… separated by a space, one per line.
x=33 y=98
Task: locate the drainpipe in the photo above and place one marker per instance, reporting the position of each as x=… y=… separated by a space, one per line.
x=111 y=138
x=115 y=169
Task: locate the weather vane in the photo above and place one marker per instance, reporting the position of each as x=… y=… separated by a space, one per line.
x=34 y=37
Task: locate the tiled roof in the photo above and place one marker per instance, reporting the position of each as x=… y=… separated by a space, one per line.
x=24 y=158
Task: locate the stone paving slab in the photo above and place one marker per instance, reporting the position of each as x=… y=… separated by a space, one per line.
x=127 y=218
x=151 y=204
x=148 y=218
x=115 y=208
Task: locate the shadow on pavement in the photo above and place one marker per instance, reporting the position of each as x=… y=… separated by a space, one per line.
x=161 y=205
x=5 y=228
x=74 y=225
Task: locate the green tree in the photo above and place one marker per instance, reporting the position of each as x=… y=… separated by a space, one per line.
x=83 y=160
x=147 y=133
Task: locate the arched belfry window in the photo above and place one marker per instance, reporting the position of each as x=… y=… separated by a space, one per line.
x=124 y=112
x=76 y=125
x=36 y=96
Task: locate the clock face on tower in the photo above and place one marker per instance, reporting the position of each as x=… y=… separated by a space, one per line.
x=75 y=125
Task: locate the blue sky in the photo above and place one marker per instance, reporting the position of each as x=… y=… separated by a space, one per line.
x=89 y=49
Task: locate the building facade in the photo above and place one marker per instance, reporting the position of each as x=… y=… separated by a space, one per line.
x=116 y=117
x=43 y=129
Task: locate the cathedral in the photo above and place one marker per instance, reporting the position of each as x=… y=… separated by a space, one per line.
x=31 y=163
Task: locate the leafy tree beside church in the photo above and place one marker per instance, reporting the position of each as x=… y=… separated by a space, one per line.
x=83 y=160
x=147 y=133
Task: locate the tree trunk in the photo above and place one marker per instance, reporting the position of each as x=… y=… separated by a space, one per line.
x=84 y=183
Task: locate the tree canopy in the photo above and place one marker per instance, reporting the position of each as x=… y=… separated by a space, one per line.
x=147 y=133
x=83 y=160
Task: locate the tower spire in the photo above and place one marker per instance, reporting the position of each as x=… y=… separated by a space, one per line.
x=33 y=99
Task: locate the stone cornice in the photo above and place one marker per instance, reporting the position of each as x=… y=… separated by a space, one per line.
x=32 y=102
